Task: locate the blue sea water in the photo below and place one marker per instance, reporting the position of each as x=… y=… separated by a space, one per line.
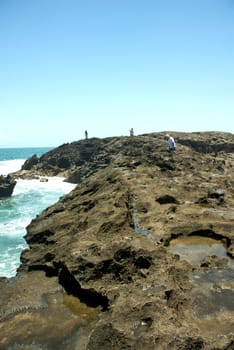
x=30 y=197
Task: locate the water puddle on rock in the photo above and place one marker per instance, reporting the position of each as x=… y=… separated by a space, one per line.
x=137 y=227
x=195 y=248
x=142 y=231
x=222 y=212
x=80 y=309
x=213 y=291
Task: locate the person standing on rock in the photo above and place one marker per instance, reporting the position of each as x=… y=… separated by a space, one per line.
x=131 y=132
x=86 y=134
x=171 y=142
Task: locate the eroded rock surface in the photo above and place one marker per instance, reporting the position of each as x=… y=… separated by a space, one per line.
x=7 y=185
x=99 y=273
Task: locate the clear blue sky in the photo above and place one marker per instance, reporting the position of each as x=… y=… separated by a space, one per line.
x=109 y=65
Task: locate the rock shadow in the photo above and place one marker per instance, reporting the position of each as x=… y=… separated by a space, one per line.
x=90 y=296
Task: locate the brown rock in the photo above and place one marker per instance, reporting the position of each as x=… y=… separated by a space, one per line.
x=106 y=242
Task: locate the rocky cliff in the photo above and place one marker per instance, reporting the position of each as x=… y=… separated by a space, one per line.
x=138 y=256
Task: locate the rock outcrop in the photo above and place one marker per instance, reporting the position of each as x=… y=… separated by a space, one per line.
x=7 y=185
x=100 y=271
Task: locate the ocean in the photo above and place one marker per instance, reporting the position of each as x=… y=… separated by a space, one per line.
x=30 y=198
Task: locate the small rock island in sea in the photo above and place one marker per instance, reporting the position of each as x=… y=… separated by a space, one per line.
x=7 y=185
x=138 y=256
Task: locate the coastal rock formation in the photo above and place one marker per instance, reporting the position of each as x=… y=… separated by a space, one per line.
x=138 y=256
x=7 y=185
x=30 y=162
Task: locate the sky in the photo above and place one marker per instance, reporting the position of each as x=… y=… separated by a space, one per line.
x=105 y=66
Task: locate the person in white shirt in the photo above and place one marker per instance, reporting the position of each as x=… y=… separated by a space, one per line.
x=131 y=132
x=171 y=143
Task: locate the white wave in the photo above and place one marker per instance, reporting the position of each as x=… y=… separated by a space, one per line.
x=10 y=166
x=30 y=197
x=16 y=227
x=54 y=184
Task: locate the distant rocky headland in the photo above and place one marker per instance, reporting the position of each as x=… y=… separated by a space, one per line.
x=138 y=256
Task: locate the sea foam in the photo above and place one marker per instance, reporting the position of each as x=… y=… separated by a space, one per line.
x=10 y=166
x=29 y=198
